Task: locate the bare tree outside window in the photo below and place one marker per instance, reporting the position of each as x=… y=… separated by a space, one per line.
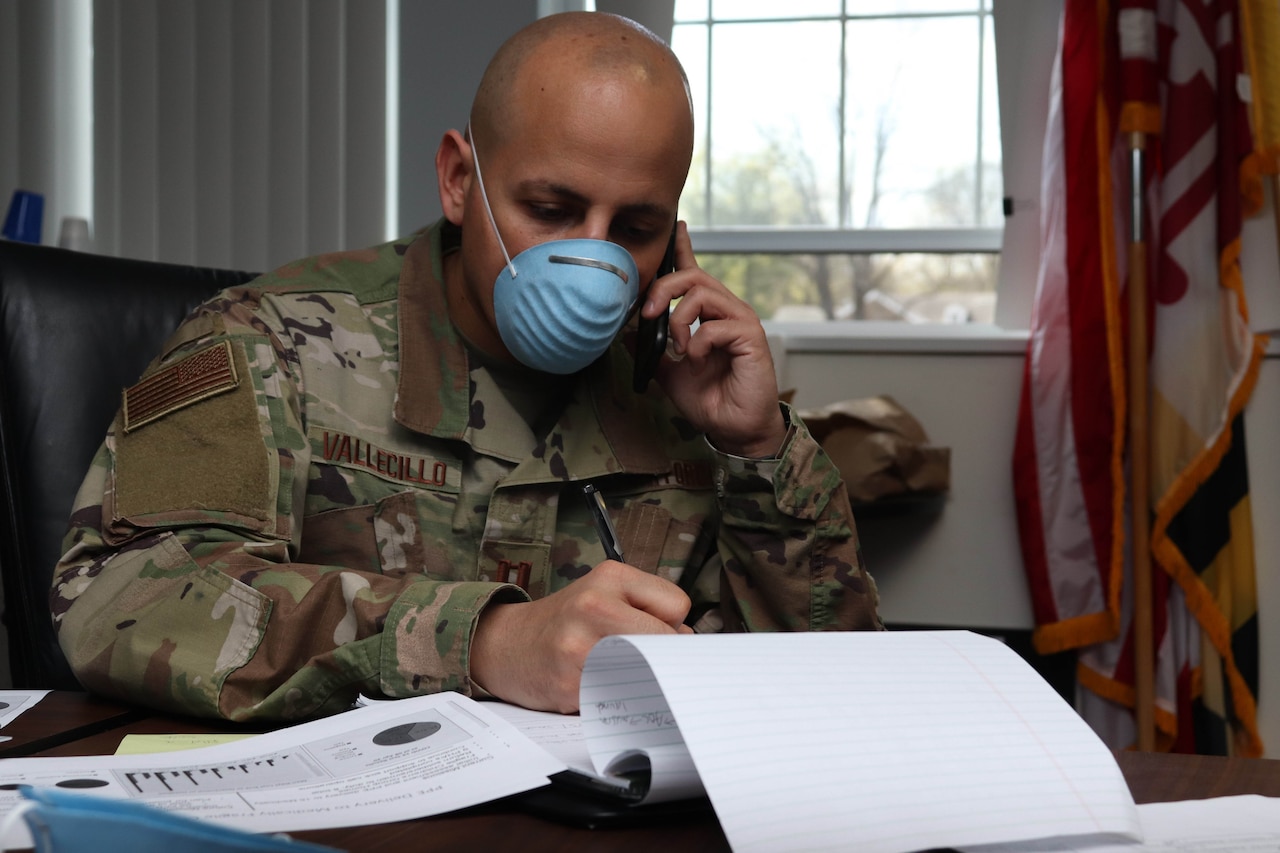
x=819 y=124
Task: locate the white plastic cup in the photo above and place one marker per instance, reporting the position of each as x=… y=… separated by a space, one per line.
x=74 y=234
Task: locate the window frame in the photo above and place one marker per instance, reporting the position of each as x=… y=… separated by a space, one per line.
x=731 y=240
x=843 y=238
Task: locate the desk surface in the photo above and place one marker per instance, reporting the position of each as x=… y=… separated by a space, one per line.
x=66 y=723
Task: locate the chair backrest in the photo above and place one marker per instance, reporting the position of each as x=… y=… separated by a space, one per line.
x=75 y=329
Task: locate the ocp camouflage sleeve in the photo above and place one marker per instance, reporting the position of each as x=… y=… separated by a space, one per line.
x=791 y=556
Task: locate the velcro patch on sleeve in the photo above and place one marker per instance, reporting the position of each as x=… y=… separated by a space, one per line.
x=206 y=463
x=199 y=376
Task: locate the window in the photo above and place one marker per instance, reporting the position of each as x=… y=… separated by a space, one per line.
x=848 y=161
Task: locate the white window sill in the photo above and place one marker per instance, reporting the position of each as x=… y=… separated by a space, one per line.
x=872 y=336
x=869 y=336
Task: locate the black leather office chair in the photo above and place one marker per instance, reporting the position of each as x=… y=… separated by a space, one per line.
x=75 y=329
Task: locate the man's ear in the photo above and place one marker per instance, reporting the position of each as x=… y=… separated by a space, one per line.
x=453 y=174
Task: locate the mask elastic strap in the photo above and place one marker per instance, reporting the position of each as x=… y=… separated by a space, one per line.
x=16 y=816
x=475 y=158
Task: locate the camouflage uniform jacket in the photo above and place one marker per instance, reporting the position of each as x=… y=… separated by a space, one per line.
x=314 y=491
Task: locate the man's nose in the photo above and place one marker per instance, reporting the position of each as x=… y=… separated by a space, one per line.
x=594 y=228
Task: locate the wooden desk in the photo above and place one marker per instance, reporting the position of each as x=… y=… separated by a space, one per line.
x=76 y=724
x=62 y=717
x=1161 y=778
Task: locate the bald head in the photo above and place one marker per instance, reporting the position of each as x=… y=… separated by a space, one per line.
x=564 y=50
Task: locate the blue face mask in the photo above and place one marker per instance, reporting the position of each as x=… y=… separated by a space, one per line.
x=559 y=304
x=59 y=821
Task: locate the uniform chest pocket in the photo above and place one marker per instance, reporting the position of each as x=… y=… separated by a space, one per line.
x=413 y=533
x=655 y=540
x=340 y=537
x=403 y=533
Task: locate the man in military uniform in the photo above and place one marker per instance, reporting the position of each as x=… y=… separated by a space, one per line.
x=363 y=472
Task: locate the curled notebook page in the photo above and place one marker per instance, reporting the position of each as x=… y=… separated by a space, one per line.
x=879 y=741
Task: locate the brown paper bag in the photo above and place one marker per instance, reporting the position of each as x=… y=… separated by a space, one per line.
x=882 y=451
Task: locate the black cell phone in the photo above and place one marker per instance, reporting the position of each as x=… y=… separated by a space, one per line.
x=651 y=334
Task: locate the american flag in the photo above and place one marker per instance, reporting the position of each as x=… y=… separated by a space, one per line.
x=1173 y=71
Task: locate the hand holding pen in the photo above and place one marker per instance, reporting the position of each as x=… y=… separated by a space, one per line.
x=531 y=653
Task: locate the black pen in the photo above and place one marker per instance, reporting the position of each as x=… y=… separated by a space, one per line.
x=604 y=525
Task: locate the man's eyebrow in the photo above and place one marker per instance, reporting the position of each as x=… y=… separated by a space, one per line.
x=565 y=193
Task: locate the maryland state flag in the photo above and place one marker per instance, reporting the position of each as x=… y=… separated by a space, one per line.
x=1173 y=71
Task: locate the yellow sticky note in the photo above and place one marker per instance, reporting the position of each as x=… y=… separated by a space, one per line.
x=142 y=744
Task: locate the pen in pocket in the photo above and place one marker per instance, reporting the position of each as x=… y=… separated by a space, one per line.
x=604 y=525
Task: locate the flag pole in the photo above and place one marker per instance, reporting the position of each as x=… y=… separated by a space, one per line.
x=1275 y=204
x=1139 y=457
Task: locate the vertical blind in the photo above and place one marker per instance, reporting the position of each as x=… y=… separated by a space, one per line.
x=239 y=134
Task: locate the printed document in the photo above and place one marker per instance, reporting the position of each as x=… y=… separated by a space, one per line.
x=386 y=762
x=14 y=702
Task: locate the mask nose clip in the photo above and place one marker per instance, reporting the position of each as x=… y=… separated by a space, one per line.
x=591 y=262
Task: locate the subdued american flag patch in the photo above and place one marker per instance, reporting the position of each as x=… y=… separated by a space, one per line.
x=199 y=376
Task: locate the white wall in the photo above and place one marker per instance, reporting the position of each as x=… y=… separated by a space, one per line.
x=444 y=48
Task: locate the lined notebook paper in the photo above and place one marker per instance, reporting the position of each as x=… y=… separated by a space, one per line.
x=875 y=741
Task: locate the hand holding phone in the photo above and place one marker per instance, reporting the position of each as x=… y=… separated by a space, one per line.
x=651 y=333
x=719 y=373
